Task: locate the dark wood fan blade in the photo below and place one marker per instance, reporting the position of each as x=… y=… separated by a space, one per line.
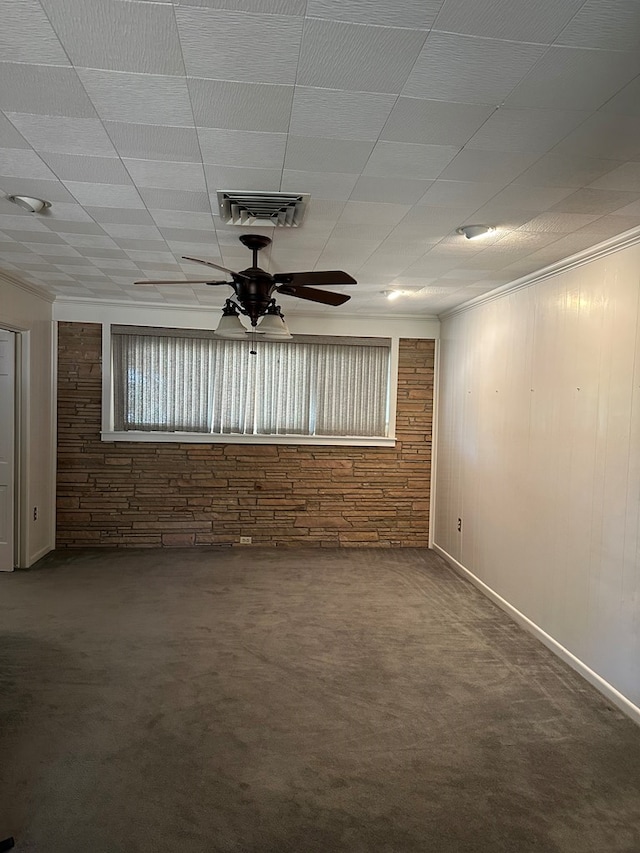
x=211 y=264
x=321 y=278
x=326 y=297
x=191 y=281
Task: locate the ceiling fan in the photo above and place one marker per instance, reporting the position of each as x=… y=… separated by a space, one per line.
x=254 y=288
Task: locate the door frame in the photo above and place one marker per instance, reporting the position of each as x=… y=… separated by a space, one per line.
x=20 y=444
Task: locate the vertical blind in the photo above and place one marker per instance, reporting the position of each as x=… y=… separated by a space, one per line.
x=188 y=383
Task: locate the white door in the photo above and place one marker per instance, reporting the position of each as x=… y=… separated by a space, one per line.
x=7 y=439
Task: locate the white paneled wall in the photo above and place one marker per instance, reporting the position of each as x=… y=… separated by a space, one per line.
x=539 y=455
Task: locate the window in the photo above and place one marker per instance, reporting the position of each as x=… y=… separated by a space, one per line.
x=168 y=381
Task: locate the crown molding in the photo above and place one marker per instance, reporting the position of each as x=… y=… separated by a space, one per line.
x=32 y=289
x=586 y=256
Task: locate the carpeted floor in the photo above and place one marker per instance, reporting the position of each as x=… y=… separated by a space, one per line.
x=294 y=701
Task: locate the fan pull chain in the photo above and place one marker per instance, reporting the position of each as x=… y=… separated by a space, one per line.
x=254 y=340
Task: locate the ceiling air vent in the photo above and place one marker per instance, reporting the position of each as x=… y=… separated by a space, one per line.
x=280 y=210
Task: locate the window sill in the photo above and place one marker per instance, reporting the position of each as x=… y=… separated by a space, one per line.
x=207 y=438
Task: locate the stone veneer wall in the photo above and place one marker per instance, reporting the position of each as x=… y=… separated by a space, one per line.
x=129 y=494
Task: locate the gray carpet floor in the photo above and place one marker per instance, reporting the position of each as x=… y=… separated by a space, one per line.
x=294 y=701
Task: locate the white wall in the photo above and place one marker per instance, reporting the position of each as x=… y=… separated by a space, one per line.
x=539 y=455
x=23 y=310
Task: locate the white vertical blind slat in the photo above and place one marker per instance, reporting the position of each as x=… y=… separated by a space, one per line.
x=190 y=384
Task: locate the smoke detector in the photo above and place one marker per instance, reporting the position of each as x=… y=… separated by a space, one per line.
x=268 y=210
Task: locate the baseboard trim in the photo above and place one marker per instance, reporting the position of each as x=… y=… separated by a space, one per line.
x=608 y=690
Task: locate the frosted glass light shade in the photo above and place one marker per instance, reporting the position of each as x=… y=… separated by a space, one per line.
x=231 y=328
x=272 y=327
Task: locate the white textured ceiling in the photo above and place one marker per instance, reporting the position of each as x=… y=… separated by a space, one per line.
x=402 y=118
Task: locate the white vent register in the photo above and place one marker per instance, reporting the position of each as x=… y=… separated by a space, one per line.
x=269 y=210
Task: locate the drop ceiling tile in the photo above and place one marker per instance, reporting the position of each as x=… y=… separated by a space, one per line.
x=627 y=101
x=574 y=79
x=182 y=219
x=595 y=201
x=469 y=70
x=133 y=243
x=356 y=57
x=610 y=225
x=27 y=32
x=161 y=260
x=175 y=200
x=77 y=272
x=43 y=89
x=391 y=190
x=236 y=178
x=30 y=236
x=241 y=106
x=23 y=162
x=344 y=254
x=64 y=135
x=464 y=195
x=142 y=232
x=110 y=214
x=68 y=227
x=525 y=130
x=414 y=14
x=154 y=142
x=115 y=264
x=613 y=25
x=219 y=44
x=169 y=176
x=138 y=98
x=631 y=210
x=75 y=167
x=339 y=115
x=118 y=36
x=307 y=153
x=104 y=195
x=56 y=251
x=406 y=160
x=434 y=122
x=513 y=20
x=67 y=212
x=9 y=136
x=21 y=222
x=524 y=198
x=190 y=235
x=274 y=7
x=491 y=166
x=565 y=170
x=88 y=241
x=604 y=135
x=624 y=177
x=242 y=148
x=102 y=256
x=560 y=223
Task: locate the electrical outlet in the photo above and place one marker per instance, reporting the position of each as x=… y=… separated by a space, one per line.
x=35 y=513
x=245 y=540
x=459 y=525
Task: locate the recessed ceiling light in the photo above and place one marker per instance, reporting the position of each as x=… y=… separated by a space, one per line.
x=33 y=205
x=393 y=294
x=472 y=232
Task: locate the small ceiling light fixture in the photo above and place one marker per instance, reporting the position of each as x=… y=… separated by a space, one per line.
x=33 y=205
x=393 y=294
x=472 y=232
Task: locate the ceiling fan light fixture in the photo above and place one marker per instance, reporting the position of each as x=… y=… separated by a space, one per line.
x=272 y=326
x=472 y=232
x=230 y=326
x=30 y=203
